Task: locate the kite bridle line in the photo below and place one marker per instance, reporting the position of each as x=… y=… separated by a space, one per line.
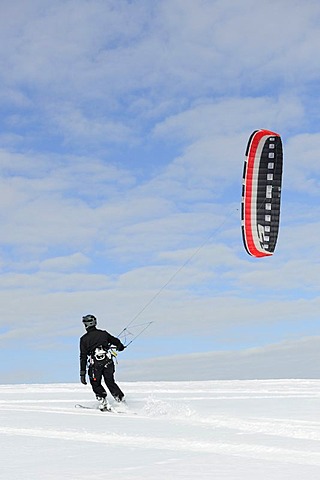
x=164 y=286
x=125 y=330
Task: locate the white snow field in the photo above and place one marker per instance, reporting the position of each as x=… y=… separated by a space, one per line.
x=252 y=430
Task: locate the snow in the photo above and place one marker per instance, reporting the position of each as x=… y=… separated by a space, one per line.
x=228 y=430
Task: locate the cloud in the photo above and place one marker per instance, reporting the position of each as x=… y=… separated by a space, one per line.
x=58 y=201
x=66 y=263
x=230 y=116
x=106 y=58
x=288 y=359
x=303 y=166
x=78 y=126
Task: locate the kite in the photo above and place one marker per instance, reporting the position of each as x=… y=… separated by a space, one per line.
x=261 y=193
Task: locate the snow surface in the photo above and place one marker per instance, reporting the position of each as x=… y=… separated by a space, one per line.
x=259 y=430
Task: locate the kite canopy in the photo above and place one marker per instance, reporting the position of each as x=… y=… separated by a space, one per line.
x=261 y=192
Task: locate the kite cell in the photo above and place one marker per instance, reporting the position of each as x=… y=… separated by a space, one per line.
x=261 y=192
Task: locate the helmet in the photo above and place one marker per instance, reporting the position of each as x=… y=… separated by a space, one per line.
x=89 y=321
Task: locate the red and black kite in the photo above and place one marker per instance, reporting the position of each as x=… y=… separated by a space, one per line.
x=261 y=192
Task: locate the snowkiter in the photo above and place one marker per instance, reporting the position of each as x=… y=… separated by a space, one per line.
x=95 y=346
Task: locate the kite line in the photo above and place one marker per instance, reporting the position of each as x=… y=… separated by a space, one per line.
x=146 y=325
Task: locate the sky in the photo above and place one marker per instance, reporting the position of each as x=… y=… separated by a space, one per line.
x=123 y=131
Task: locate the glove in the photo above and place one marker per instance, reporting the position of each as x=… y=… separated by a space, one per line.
x=120 y=347
x=83 y=378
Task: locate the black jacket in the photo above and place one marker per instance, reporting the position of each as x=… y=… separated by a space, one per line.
x=92 y=339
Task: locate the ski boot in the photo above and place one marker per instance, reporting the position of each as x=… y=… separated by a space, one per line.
x=120 y=399
x=104 y=404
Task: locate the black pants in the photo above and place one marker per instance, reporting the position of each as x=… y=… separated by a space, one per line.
x=96 y=372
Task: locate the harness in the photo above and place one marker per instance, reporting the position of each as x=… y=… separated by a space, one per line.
x=100 y=358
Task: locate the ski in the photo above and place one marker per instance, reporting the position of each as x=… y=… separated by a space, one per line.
x=87 y=407
x=113 y=410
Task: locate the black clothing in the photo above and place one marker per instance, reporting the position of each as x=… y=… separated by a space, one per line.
x=107 y=373
x=92 y=339
x=99 y=369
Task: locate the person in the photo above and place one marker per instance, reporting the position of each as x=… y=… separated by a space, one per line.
x=95 y=346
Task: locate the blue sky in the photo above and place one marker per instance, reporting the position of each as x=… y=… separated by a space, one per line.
x=123 y=131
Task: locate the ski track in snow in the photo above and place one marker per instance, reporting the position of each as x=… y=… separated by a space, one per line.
x=256 y=451
x=289 y=428
x=268 y=421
